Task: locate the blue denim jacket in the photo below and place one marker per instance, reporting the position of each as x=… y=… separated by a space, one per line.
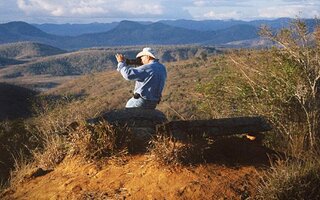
x=150 y=78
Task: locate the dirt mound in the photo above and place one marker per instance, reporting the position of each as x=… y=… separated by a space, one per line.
x=231 y=173
x=139 y=178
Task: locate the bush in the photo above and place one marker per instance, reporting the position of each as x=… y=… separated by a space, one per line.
x=300 y=51
x=291 y=180
x=54 y=150
x=166 y=150
x=281 y=84
x=94 y=141
x=14 y=139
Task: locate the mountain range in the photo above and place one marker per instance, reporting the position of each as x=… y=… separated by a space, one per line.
x=139 y=33
x=77 y=36
x=204 y=25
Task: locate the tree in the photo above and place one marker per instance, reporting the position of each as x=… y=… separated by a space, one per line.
x=302 y=50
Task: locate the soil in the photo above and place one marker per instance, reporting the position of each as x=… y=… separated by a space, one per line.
x=232 y=173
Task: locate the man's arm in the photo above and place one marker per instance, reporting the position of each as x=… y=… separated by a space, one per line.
x=129 y=73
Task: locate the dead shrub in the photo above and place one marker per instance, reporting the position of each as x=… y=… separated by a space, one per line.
x=54 y=151
x=15 y=139
x=22 y=168
x=289 y=179
x=167 y=150
x=94 y=141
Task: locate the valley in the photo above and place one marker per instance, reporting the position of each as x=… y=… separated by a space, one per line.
x=42 y=67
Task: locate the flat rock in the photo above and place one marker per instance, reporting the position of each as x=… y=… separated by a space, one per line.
x=133 y=117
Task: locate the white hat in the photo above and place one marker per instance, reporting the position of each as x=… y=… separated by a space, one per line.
x=147 y=52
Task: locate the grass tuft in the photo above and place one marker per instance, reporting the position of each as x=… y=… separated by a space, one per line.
x=54 y=151
x=23 y=167
x=95 y=141
x=169 y=151
x=298 y=179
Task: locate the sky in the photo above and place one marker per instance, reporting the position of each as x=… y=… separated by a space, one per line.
x=105 y=11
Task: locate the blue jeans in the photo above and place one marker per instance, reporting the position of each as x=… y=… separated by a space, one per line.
x=141 y=103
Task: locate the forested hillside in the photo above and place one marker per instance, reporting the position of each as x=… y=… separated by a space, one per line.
x=39 y=69
x=28 y=50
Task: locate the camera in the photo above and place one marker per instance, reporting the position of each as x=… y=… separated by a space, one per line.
x=136 y=61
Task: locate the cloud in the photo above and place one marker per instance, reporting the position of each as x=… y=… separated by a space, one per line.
x=141 y=8
x=251 y=9
x=42 y=6
x=98 y=8
x=222 y=3
x=86 y=8
x=291 y=8
x=216 y=15
x=115 y=10
x=289 y=11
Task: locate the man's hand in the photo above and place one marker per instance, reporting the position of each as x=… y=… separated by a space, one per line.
x=120 y=57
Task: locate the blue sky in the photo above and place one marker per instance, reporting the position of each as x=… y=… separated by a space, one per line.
x=87 y=11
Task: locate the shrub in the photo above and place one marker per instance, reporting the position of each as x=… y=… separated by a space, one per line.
x=301 y=53
x=22 y=168
x=94 y=141
x=14 y=139
x=54 y=150
x=291 y=180
x=166 y=150
x=55 y=113
x=281 y=84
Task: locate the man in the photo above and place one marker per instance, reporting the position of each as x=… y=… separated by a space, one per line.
x=150 y=79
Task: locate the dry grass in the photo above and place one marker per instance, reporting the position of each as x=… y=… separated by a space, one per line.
x=167 y=150
x=54 y=115
x=88 y=141
x=96 y=141
x=53 y=153
x=15 y=144
x=297 y=179
x=23 y=167
x=3 y=186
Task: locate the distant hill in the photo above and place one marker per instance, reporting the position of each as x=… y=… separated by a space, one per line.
x=97 y=59
x=252 y=44
x=22 y=31
x=24 y=50
x=203 y=25
x=61 y=65
x=214 y=25
x=125 y=33
x=235 y=33
x=75 y=29
x=15 y=101
x=133 y=33
x=8 y=61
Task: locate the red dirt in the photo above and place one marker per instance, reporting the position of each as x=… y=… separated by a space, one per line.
x=232 y=173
